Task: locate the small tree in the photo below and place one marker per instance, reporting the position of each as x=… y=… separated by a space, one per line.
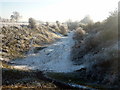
x=0 y=19
x=16 y=16
x=87 y=20
x=72 y=25
x=12 y=17
x=58 y=23
x=32 y=23
x=47 y=23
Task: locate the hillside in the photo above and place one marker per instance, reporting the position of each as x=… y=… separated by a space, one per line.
x=18 y=39
x=97 y=49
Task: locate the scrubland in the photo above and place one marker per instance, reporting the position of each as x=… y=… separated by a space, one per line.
x=97 y=49
x=17 y=40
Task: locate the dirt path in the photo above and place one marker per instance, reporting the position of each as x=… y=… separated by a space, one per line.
x=55 y=57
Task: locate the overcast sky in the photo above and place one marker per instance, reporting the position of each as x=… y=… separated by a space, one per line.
x=61 y=10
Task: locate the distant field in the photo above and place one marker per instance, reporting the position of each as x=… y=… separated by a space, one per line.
x=10 y=24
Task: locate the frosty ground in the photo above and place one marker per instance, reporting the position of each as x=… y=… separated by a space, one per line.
x=55 y=58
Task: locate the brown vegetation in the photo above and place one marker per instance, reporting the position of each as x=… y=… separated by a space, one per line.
x=98 y=51
x=16 y=40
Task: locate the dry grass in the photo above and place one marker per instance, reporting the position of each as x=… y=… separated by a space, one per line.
x=18 y=79
x=16 y=40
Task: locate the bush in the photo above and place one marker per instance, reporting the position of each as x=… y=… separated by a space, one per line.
x=32 y=23
x=79 y=33
x=72 y=25
x=87 y=20
x=98 y=50
x=63 y=29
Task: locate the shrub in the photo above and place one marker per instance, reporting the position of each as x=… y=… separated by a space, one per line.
x=87 y=20
x=79 y=33
x=72 y=25
x=99 y=51
x=32 y=23
x=63 y=29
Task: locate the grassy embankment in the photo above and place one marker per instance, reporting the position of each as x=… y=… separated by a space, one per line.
x=16 y=42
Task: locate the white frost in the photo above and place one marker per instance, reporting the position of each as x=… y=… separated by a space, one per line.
x=55 y=57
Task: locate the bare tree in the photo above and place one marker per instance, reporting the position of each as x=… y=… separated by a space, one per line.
x=58 y=23
x=12 y=17
x=16 y=16
x=0 y=19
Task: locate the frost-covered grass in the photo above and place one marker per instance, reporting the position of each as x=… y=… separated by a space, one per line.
x=55 y=57
x=17 y=40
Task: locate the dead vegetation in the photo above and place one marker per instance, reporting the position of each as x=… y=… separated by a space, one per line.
x=19 y=79
x=17 y=40
x=98 y=51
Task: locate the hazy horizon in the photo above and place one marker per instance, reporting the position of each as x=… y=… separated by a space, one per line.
x=61 y=10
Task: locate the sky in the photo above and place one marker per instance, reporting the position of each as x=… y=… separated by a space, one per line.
x=61 y=10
